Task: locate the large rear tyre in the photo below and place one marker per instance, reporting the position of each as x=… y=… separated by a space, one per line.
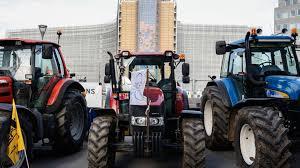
x=101 y=153
x=71 y=123
x=26 y=127
x=193 y=143
x=216 y=118
x=261 y=138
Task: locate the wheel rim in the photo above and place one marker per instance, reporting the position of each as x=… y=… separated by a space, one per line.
x=208 y=118
x=76 y=121
x=247 y=144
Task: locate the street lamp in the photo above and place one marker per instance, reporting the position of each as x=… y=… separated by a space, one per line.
x=43 y=29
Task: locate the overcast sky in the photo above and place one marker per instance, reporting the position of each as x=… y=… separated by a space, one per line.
x=15 y=14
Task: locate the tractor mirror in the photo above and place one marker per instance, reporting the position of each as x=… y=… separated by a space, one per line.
x=47 y=51
x=220 y=47
x=107 y=69
x=185 y=79
x=185 y=69
x=106 y=79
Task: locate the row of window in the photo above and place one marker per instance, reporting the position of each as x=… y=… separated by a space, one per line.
x=288 y=14
x=279 y=27
x=290 y=2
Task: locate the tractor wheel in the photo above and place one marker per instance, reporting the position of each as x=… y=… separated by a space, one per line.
x=261 y=138
x=216 y=118
x=100 y=150
x=193 y=143
x=26 y=127
x=71 y=123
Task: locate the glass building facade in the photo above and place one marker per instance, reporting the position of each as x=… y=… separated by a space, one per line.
x=147 y=25
x=141 y=26
x=84 y=47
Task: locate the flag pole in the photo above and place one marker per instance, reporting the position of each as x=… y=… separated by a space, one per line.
x=25 y=152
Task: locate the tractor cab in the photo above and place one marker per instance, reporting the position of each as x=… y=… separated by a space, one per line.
x=34 y=75
x=26 y=67
x=261 y=66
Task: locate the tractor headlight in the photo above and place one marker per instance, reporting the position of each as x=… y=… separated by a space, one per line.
x=276 y=94
x=142 y=121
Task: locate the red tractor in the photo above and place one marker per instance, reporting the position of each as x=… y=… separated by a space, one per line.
x=51 y=106
x=162 y=119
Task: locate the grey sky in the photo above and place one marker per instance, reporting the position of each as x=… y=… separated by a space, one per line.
x=29 y=13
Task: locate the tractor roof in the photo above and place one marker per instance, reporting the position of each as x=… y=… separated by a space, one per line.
x=273 y=38
x=26 y=41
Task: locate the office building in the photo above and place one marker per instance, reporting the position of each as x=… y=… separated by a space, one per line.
x=84 y=47
x=287 y=15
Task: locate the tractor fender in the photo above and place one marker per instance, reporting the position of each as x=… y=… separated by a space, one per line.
x=191 y=114
x=257 y=102
x=222 y=88
x=58 y=92
x=105 y=112
x=34 y=115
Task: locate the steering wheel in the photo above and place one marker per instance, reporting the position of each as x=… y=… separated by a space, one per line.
x=267 y=62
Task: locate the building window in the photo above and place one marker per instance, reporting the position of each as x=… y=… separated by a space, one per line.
x=293 y=13
x=290 y=2
x=298 y=13
x=278 y=27
x=284 y=15
x=295 y=1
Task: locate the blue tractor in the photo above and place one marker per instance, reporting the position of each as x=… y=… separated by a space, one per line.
x=255 y=105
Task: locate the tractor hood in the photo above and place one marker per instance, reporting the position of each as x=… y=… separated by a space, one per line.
x=283 y=87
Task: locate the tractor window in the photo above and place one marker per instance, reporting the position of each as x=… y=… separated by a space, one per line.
x=224 y=69
x=236 y=62
x=15 y=61
x=154 y=71
x=167 y=70
x=278 y=60
x=291 y=63
x=59 y=61
x=48 y=66
x=274 y=60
